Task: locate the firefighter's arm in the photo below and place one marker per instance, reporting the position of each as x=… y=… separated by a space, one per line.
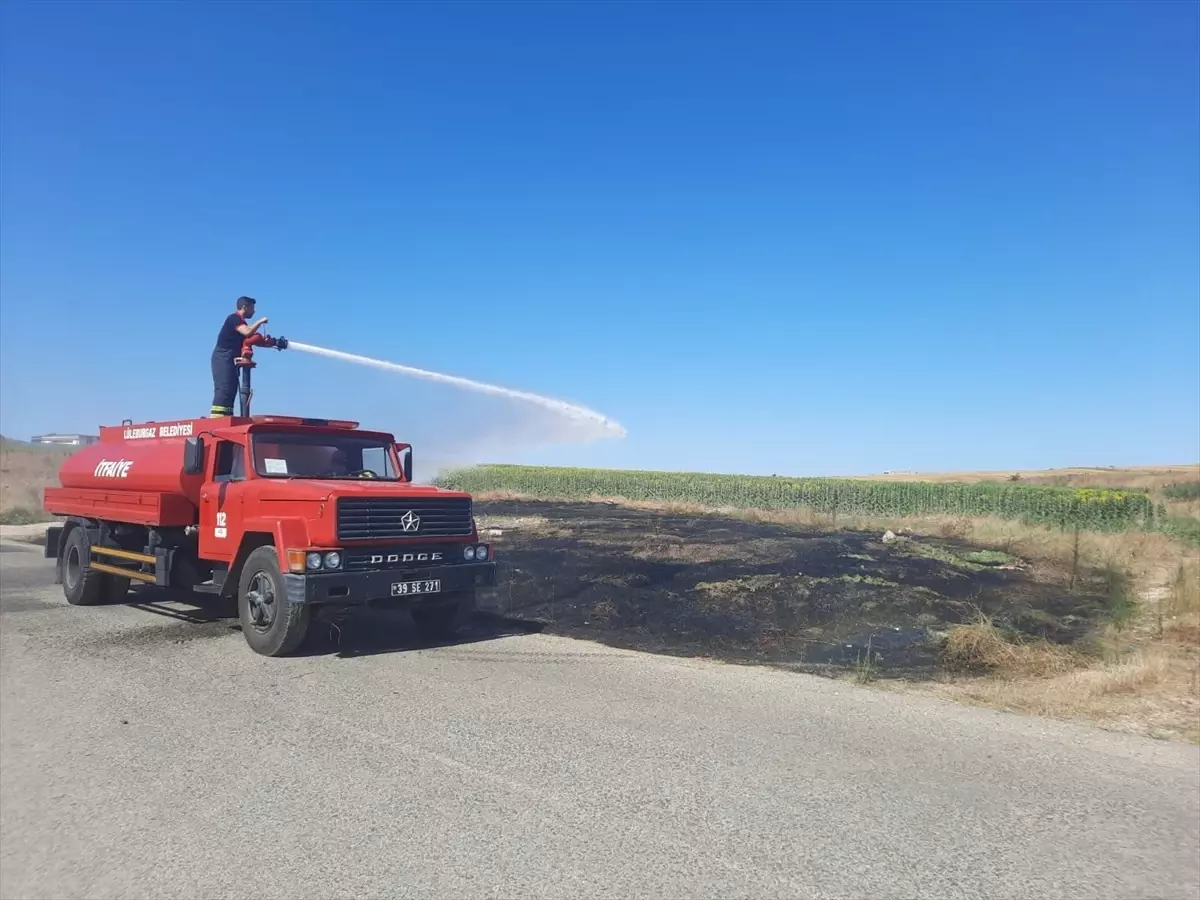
x=247 y=330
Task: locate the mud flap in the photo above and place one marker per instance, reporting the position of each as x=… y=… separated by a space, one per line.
x=53 y=550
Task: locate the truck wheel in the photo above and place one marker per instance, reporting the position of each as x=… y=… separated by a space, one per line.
x=116 y=588
x=438 y=622
x=271 y=625
x=82 y=585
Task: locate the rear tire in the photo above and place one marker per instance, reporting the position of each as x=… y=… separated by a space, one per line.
x=441 y=622
x=271 y=625
x=82 y=585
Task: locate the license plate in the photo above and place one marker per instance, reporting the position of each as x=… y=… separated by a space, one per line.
x=405 y=588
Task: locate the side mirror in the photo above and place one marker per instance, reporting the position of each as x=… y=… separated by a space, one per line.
x=193 y=457
x=404 y=451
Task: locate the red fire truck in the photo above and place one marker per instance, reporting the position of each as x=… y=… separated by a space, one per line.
x=287 y=514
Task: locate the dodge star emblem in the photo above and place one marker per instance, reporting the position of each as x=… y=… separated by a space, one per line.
x=409 y=522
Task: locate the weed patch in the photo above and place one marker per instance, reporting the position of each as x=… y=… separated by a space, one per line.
x=988 y=558
x=22 y=515
x=1184 y=528
x=1183 y=490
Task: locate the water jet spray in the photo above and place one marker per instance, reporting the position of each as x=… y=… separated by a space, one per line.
x=599 y=425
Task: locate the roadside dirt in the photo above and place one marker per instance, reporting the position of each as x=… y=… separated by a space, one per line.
x=34 y=533
x=702 y=585
x=25 y=471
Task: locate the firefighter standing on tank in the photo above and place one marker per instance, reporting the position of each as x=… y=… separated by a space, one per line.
x=235 y=329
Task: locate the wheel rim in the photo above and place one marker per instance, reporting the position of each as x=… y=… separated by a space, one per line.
x=73 y=567
x=260 y=597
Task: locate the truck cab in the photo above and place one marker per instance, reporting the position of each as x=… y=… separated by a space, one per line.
x=289 y=515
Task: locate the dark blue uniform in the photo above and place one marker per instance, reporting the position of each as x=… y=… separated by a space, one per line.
x=224 y=372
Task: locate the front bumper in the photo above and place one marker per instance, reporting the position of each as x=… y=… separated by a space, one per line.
x=364 y=587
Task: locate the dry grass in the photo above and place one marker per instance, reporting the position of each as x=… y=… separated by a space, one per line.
x=675 y=549
x=1142 y=678
x=1178 y=604
x=1153 y=690
x=748 y=592
x=1142 y=669
x=505 y=522
x=981 y=647
x=24 y=472
x=493 y=528
x=1183 y=508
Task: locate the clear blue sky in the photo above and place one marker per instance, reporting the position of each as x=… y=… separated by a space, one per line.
x=801 y=238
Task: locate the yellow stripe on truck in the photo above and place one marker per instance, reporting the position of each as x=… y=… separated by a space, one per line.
x=125 y=573
x=125 y=554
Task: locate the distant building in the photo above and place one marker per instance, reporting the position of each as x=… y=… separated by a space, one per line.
x=64 y=440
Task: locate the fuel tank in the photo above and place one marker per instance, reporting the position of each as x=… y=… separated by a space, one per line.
x=144 y=457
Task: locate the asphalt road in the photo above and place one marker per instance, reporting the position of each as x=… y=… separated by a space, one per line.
x=147 y=756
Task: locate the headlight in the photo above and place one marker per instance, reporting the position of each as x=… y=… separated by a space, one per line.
x=481 y=552
x=333 y=560
x=313 y=560
x=468 y=552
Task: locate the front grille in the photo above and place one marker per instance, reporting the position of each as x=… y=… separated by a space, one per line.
x=372 y=518
x=409 y=556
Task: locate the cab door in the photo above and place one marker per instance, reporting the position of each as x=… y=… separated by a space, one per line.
x=221 y=502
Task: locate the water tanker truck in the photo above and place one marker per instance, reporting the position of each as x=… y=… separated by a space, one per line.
x=291 y=516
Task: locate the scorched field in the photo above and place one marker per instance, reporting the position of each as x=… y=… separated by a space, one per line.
x=756 y=591
x=1073 y=600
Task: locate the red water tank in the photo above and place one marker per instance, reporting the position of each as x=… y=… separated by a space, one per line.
x=145 y=457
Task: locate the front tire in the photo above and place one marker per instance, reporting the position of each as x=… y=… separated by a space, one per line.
x=271 y=625
x=82 y=585
x=116 y=588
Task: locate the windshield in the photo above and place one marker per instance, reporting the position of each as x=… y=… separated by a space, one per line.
x=284 y=454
